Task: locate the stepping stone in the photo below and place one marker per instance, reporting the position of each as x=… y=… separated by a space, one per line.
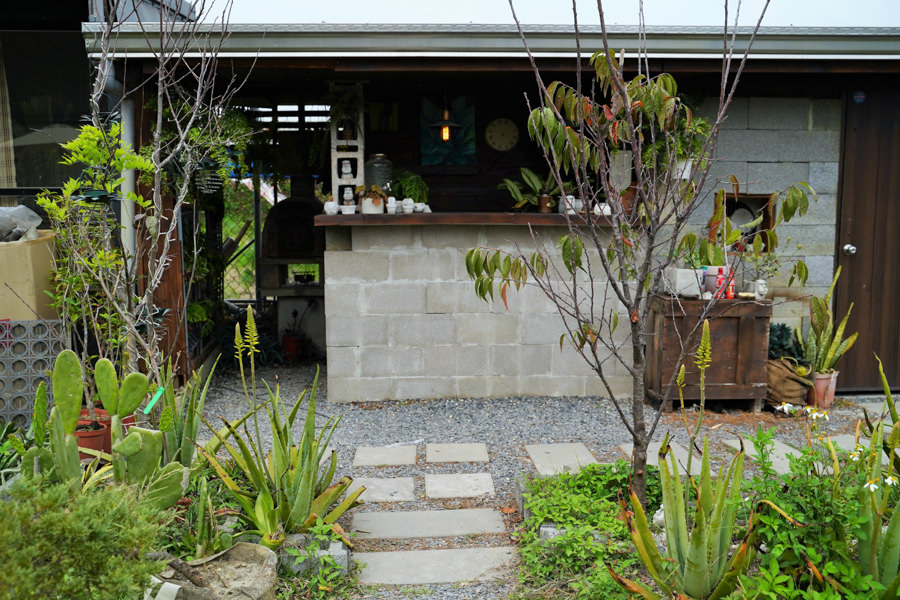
x=873 y=408
x=416 y=567
x=396 y=489
x=780 y=450
x=465 y=485
x=382 y=456
x=845 y=441
x=427 y=523
x=550 y=459
x=455 y=453
x=679 y=452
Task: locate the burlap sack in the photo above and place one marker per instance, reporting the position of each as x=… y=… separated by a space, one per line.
x=784 y=385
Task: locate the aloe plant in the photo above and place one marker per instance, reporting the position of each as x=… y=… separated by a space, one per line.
x=825 y=346
x=290 y=485
x=879 y=546
x=180 y=416
x=698 y=563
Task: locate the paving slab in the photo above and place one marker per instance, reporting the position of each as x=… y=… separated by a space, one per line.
x=416 y=567
x=780 y=450
x=678 y=451
x=393 y=489
x=382 y=456
x=460 y=485
x=845 y=441
x=455 y=453
x=550 y=459
x=427 y=523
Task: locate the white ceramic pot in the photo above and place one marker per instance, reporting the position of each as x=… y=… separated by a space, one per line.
x=371 y=206
x=330 y=207
x=685 y=282
x=348 y=209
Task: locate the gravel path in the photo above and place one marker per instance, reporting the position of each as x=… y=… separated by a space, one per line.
x=505 y=425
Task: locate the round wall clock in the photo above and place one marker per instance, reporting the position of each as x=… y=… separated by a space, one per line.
x=501 y=134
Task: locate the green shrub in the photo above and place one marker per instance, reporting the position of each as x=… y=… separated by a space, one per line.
x=57 y=543
x=585 y=506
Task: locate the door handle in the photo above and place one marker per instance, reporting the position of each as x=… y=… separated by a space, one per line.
x=849 y=249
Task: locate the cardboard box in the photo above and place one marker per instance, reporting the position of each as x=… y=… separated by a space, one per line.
x=25 y=269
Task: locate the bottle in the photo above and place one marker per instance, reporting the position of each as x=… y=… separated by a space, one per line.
x=729 y=290
x=720 y=282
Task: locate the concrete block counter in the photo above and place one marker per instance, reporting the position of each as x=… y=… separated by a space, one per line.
x=403 y=320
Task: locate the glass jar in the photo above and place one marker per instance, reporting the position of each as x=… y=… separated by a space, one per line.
x=378 y=171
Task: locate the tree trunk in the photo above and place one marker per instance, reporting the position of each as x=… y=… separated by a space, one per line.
x=639 y=438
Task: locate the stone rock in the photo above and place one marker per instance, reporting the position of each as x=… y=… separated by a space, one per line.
x=310 y=565
x=659 y=517
x=244 y=571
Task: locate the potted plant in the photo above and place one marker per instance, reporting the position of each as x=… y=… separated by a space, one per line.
x=371 y=199
x=540 y=191
x=407 y=184
x=787 y=375
x=345 y=105
x=825 y=346
x=290 y=341
x=687 y=281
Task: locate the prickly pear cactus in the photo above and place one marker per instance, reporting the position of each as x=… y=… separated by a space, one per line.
x=68 y=389
x=131 y=394
x=64 y=448
x=167 y=487
x=107 y=383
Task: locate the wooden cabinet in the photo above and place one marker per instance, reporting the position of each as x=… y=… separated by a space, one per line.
x=739 y=336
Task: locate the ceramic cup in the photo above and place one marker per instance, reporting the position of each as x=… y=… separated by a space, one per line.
x=391 y=208
x=419 y=207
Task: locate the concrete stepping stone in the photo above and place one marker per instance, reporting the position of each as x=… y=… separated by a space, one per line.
x=461 y=485
x=780 y=450
x=383 y=456
x=427 y=523
x=394 y=489
x=455 y=453
x=550 y=459
x=416 y=567
x=845 y=441
x=679 y=452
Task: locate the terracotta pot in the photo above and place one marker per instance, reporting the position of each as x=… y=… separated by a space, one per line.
x=91 y=438
x=104 y=419
x=544 y=203
x=291 y=346
x=821 y=395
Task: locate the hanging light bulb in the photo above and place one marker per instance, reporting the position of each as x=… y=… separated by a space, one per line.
x=445 y=125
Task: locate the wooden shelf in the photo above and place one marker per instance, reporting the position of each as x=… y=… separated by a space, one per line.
x=299 y=290
x=455 y=218
x=291 y=260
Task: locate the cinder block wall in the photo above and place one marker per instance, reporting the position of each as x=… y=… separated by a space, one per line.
x=403 y=320
x=769 y=143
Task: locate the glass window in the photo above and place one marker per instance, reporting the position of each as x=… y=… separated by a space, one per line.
x=44 y=90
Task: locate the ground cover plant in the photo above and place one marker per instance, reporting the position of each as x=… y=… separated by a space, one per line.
x=586 y=508
x=59 y=543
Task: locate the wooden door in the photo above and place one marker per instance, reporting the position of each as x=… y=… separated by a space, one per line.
x=868 y=237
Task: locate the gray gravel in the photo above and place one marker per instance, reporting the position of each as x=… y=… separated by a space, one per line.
x=505 y=425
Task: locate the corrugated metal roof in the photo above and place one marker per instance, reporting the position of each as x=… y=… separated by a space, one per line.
x=789 y=43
